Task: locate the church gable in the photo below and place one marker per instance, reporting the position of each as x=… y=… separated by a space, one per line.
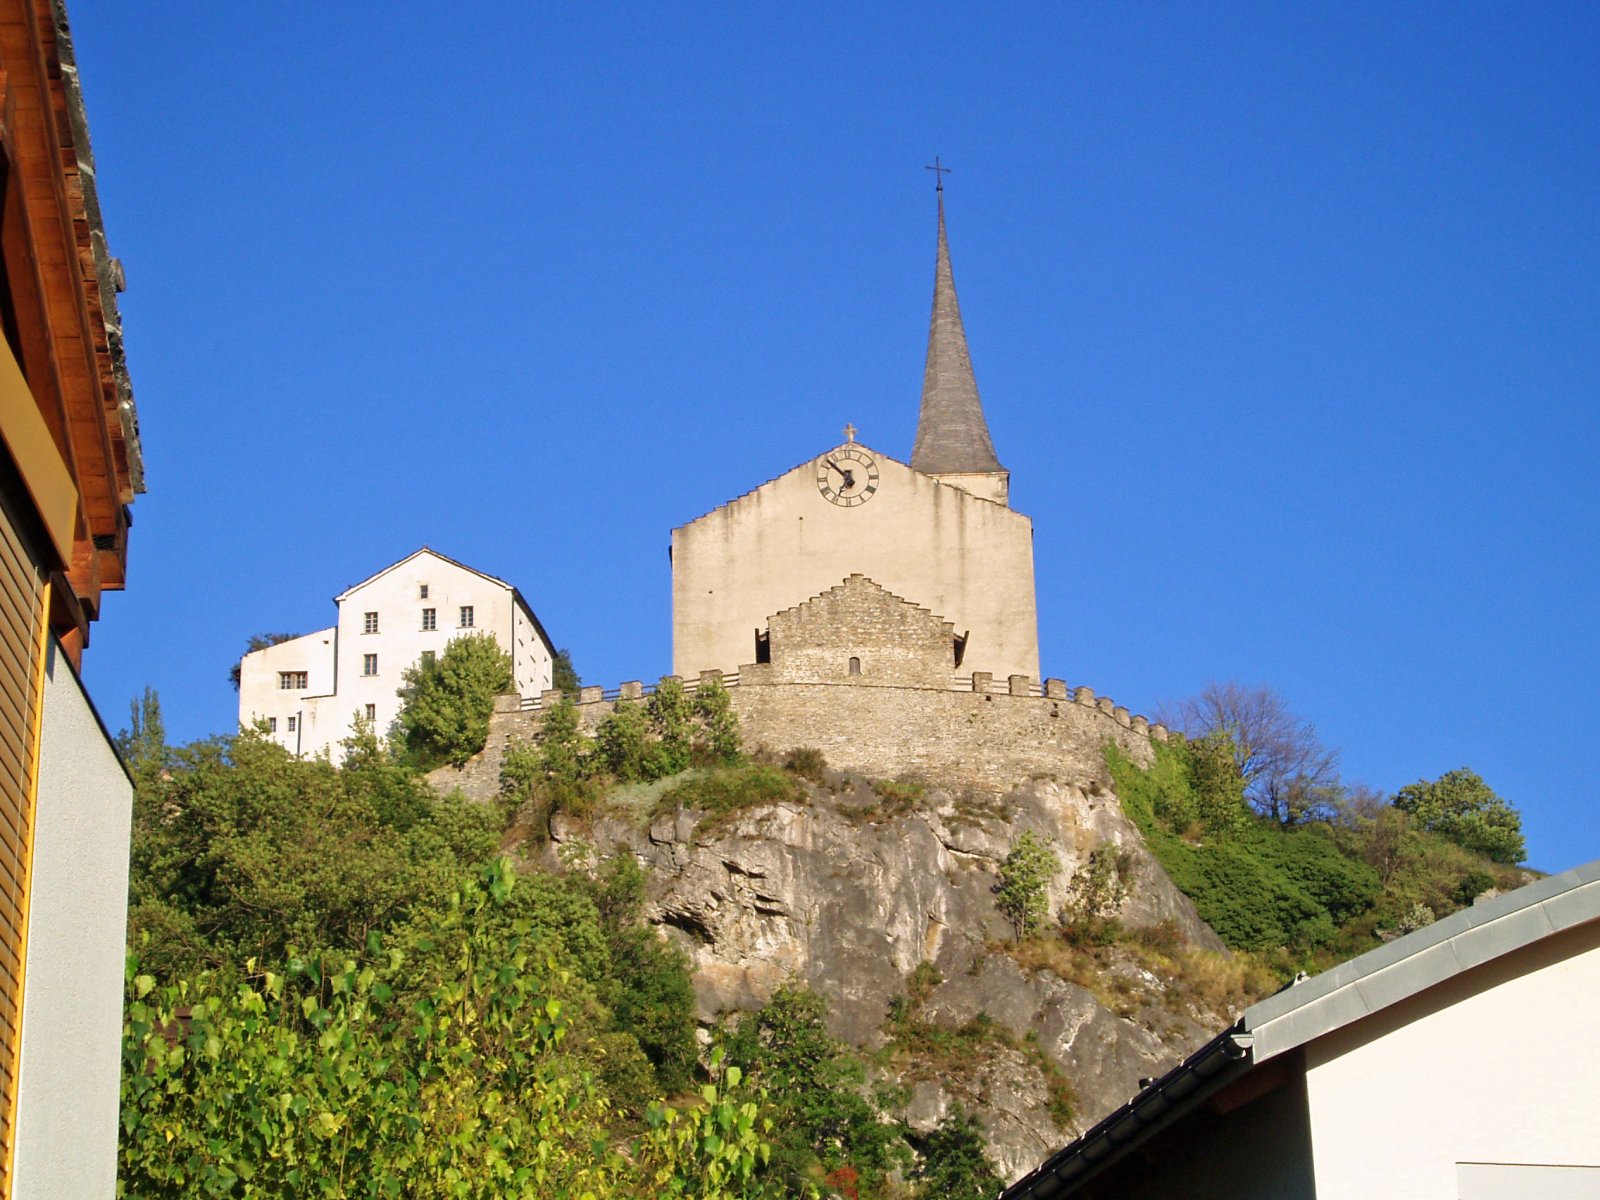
x=860 y=632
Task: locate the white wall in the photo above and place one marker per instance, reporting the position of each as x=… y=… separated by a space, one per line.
x=262 y=696
x=967 y=560
x=1498 y=1065
x=68 y=1102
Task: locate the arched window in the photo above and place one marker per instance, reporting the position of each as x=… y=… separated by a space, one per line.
x=855 y=666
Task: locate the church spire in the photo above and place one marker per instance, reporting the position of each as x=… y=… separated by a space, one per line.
x=952 y=436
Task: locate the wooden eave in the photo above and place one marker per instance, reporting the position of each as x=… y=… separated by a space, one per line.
x=77 y=385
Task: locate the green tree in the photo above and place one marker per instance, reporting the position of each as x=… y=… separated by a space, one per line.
x=450 y=1066
x=257 y=641
x=671 y=714
x=143 y=745
x=824 y=1122
x=564 y=676
x=240 y=849
x=952 y=1164
x=622 y=743
x=1025 y=875
x=1461 y=807
x=446 y=702
x=719 y=742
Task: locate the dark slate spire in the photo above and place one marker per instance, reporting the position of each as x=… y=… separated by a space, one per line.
x=952 y=436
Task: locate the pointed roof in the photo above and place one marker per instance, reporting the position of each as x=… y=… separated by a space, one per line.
x=952 y=436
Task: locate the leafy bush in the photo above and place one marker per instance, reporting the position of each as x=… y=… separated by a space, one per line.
x=728 y=790
x=428 y=1074
x=952 y=1164
x=1461 y=807
x=1095 y=894
x=806 y=762
x=1025 y=876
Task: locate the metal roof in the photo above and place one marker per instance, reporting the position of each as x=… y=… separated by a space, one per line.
x=1309 y=1010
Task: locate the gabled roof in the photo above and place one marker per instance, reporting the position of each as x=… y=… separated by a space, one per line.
x=516 y=596
x=1302 y=1013
x=952 y=436
x=417 y=554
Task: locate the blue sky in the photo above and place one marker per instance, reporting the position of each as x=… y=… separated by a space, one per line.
x=1287 y=323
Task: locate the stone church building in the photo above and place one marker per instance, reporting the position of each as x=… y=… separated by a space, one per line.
x=856 y=567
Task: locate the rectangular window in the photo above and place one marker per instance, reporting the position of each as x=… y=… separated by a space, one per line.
x=272 y=724
x=422 y=592
x=372 y=712
x=427 y=658
x=430 y=618
x=290 y=681
x=369 y=623
x=466 y=616
x=369 y=664
x=291 y=724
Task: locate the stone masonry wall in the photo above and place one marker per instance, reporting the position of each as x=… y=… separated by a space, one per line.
x=991 y=738
x=892 y=640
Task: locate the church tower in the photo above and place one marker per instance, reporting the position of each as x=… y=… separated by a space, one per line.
x=856 y=568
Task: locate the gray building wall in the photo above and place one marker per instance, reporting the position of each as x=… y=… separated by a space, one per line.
x=77 y=919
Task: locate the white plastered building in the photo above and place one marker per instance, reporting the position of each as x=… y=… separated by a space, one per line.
x=311 y=690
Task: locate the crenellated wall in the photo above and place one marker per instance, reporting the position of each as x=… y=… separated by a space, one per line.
x=975 y=732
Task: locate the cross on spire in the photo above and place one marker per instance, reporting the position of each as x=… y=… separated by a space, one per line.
x=939 y=172
x=850 y=432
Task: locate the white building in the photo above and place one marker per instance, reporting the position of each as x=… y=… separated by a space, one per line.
x=312 y=689
x=1456 y=1063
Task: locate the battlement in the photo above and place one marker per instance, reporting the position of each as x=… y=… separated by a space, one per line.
x=759 y=675
x=972 y=731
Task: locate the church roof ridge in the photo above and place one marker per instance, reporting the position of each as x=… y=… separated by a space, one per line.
x=952 y=435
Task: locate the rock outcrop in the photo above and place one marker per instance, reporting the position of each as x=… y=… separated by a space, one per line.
x=849 y=891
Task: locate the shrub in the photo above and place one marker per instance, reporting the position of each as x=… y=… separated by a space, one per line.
x=1025 y=877
x=1095 y=895
x=1461 y=807
x=806 y=762
x=722 y=792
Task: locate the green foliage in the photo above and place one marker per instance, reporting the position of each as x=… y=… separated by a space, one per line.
x=240 y=849
x=728 y=790
x=452 y=1070
x=446 y=702
x=1461 y=807
x=1025 y=876
x=622 y=743
x=807 y=762
x=952 y=1164
x=1095 y=895
x=564 y=676
x=143 y=745
x=824 y=1123
x=671 y=713
x=718 y=743
x=1315 y=893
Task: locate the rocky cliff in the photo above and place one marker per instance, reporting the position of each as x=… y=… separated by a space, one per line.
x=851 y=891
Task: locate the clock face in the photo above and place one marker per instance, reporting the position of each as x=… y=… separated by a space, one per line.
x=847 y=476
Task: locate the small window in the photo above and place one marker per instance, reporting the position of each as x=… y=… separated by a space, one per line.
x=372 y=712
x=855 y=666
x=369 y=664
x=422 y=591
x=427 y=658
x=369 y=623
x=272 y=724
x=290 y=681
x=466 y=616
x=430 y=618
x=291 y=724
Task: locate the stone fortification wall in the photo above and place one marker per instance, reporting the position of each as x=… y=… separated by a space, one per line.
x=976 y=732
